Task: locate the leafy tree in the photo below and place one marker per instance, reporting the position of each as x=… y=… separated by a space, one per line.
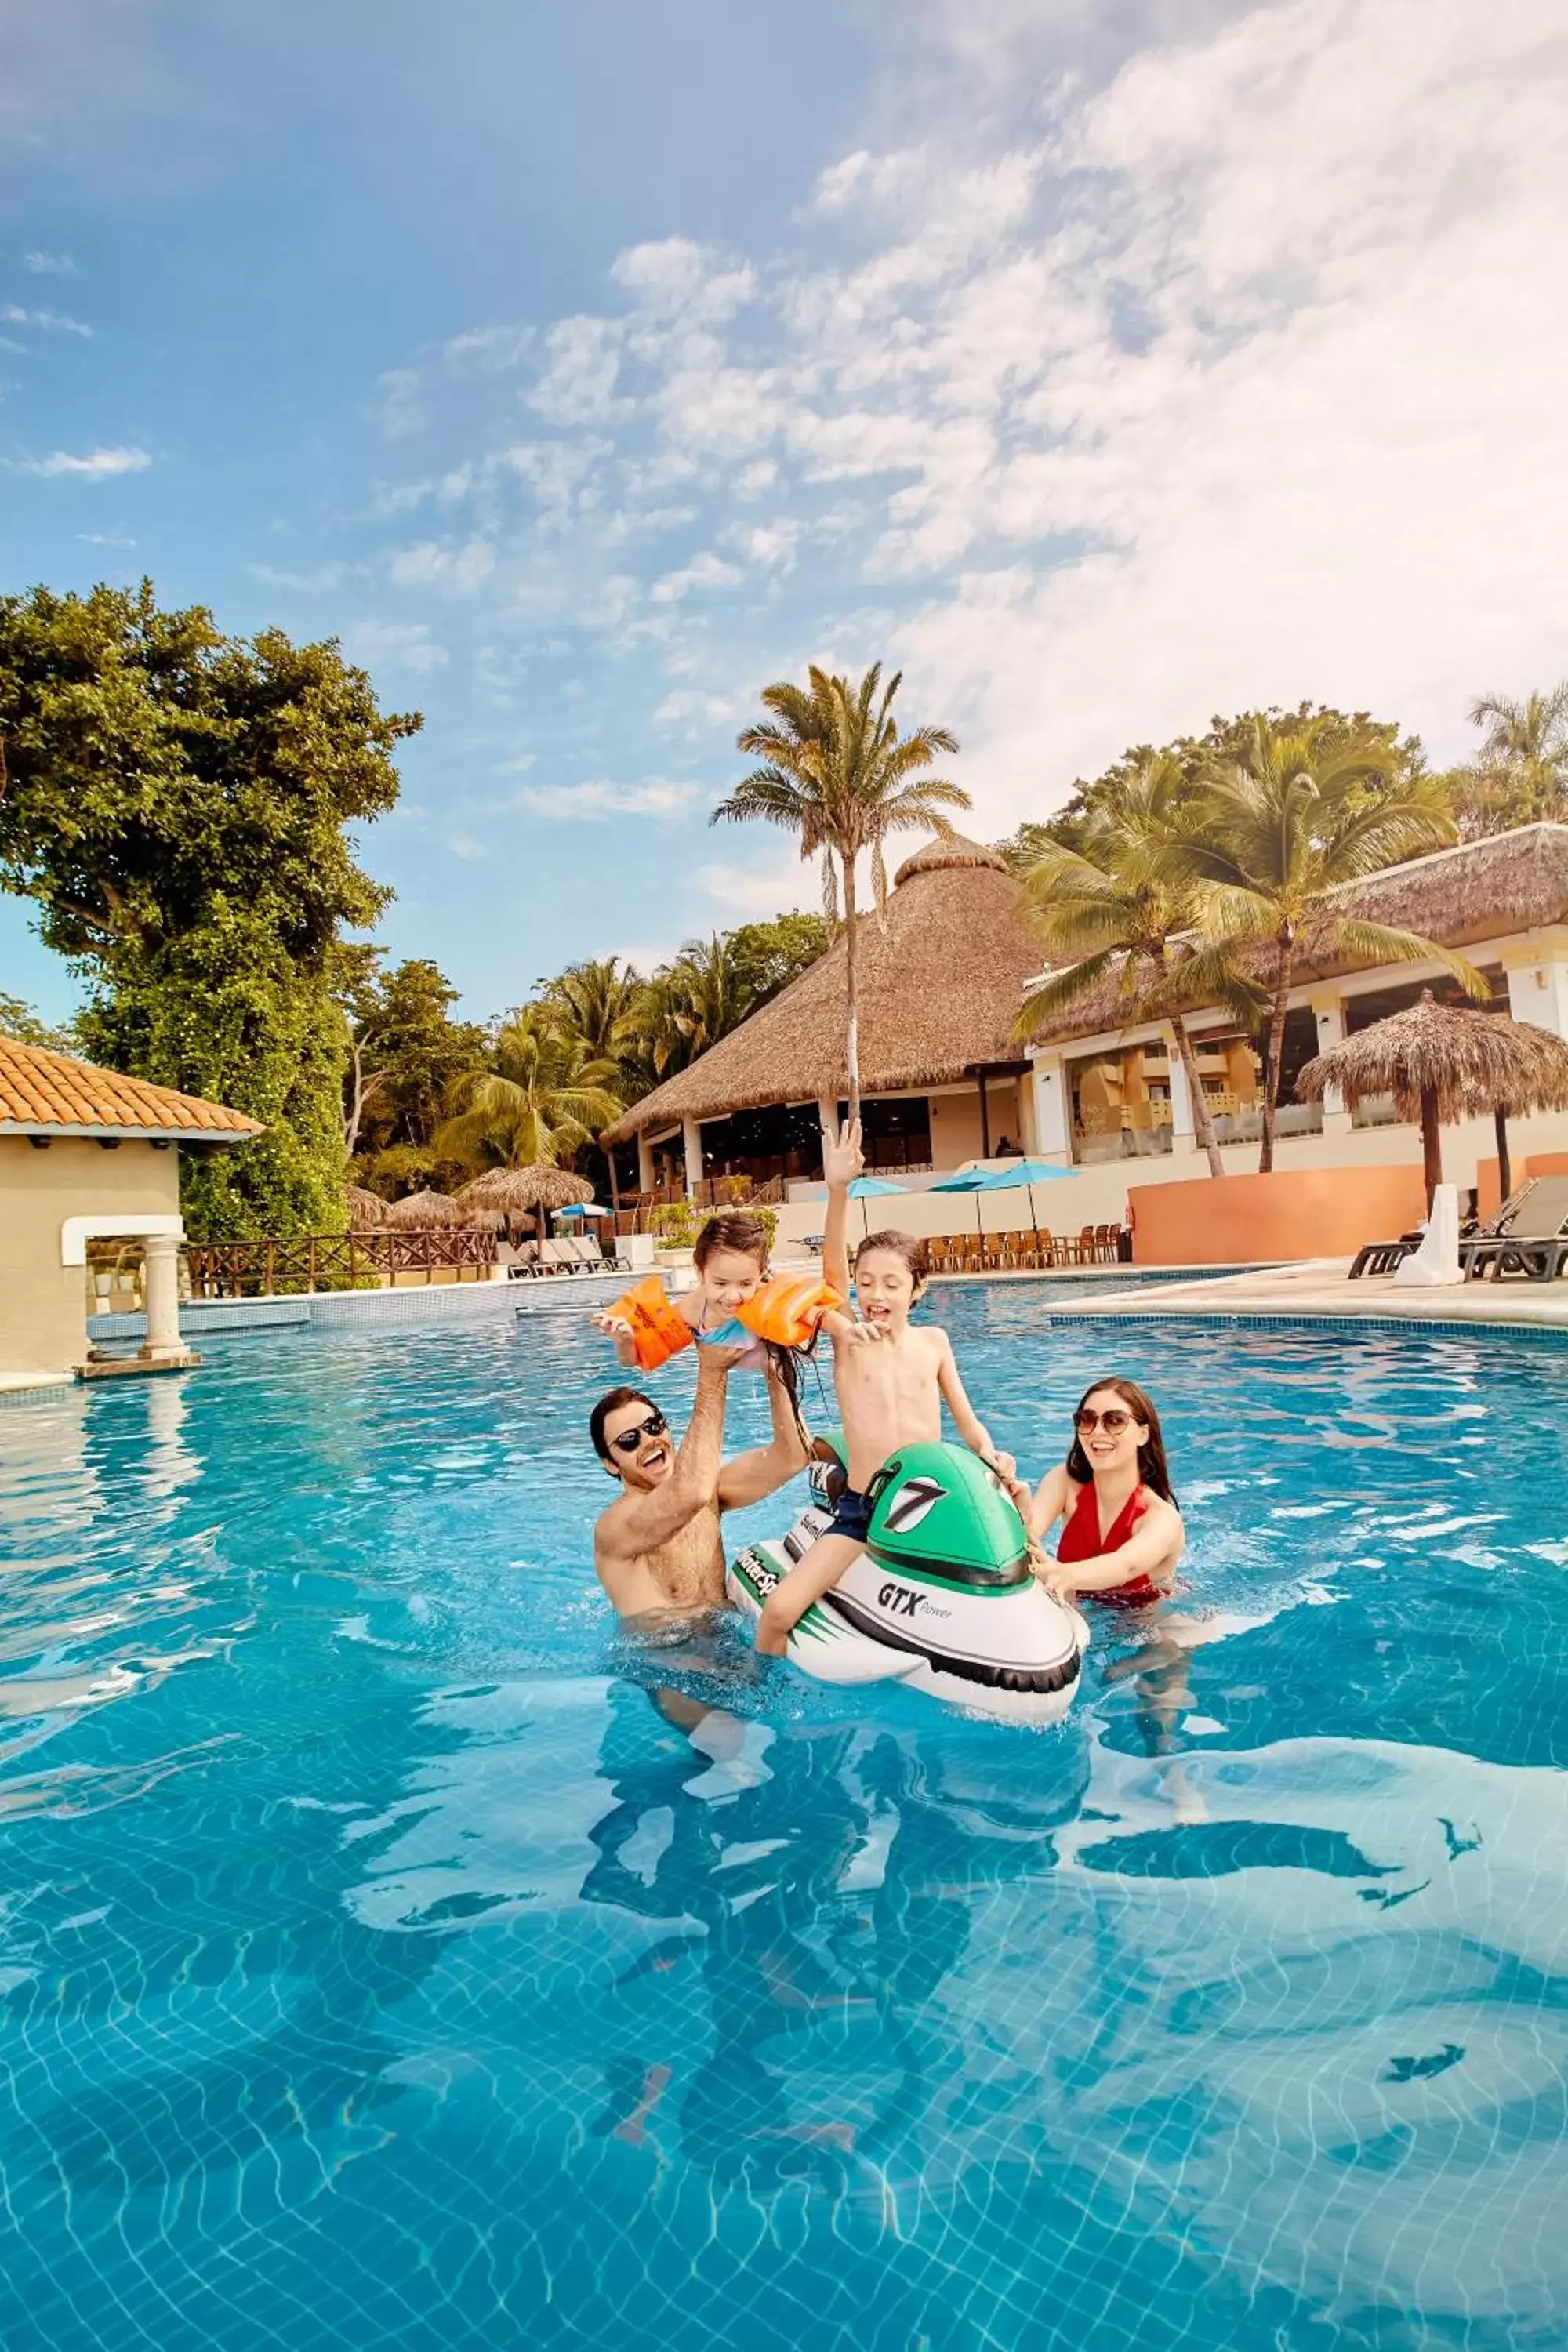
x=541 y=1100
x=766 y=957
x=406 y=1052
x=175 y=802
x=836 y=773
x=1279 y=823
x=18 y=1019
x=1112 y=908
x=595 y=1001
x=1521 y=775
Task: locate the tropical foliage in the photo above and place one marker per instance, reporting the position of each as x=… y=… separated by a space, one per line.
x=835 y=772
x=1521 y=773
x=539 y=1098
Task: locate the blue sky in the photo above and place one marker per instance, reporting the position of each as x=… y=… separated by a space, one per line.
x=584 y=368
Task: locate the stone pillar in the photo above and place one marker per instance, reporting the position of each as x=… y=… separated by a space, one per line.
x=1183 y=1136
x=691 y=1144
x=1049 y=1096
x=645 y=1162
x=162 y=1343
x=1329 y=1013
x=1538 y=982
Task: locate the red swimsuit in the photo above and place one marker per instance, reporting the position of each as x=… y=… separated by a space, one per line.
x=1081 y=1539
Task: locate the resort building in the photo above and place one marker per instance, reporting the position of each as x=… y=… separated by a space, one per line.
x=946 y=1085
x=86 y=1153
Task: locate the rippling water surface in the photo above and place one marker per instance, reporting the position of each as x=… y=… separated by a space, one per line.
x=389 y=1957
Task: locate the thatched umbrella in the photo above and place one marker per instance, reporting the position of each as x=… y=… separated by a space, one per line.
x=422 y=1210
x=516 y=1190
x=1443 y=1062
x=365 y=1209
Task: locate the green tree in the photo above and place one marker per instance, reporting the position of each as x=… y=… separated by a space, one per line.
x=595 y=1001
x=175 y=802
x=836 y=773
x=543 y=1098
x=18 y=1019
x=766 y=957
x=1521 y=775
x=1277 y=827
x=405 y=1054
x=1113 y=908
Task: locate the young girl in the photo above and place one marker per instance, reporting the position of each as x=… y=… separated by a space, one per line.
x=1122 y=1536
x=731 y=1262
x=891 y=1393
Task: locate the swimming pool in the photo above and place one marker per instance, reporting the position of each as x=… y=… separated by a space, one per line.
x=393 y=1958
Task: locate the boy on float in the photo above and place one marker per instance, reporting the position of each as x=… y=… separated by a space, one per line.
x=889 y=1394
x=732 y=1264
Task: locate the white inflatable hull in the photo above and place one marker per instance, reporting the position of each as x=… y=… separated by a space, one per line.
x=1014 y=1654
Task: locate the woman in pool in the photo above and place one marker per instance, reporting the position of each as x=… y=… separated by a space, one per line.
x=1122 y=1533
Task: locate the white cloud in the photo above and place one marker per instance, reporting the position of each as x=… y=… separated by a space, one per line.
x=397 y=645
x=578 y=382
x=402 y=411
x=704 y=571
x=459 y=569
x=104 y=538
x=323 y=578
x=601 y=798
x=678 y=278
x=51 y=322
x=464 y=845
x=92 y=466
x=742 y=892
x=489 y=349
x=49 y=265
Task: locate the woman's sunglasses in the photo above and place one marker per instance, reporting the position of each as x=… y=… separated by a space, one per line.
x=1113 y=1422
x=630 y=1439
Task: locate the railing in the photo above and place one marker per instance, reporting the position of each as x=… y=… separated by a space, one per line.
x=278 y=1268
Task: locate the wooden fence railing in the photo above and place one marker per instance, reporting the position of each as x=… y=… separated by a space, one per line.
x=272 y=1269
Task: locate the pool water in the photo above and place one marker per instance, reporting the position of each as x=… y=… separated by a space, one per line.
x=392 y=1956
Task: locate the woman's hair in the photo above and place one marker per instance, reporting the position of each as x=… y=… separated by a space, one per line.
x=1152 y=1470
x=905 y=1246
x=747 y=1236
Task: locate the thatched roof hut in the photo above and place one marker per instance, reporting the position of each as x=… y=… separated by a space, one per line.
x=939 y=988
x=365 y=1210
x=1477 y=890
x=1442 y=1063
x=424 y=1210
x=518 y=1192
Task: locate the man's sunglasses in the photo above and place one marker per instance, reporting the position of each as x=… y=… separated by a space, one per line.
x=630 y=1439
x=1113 y=1422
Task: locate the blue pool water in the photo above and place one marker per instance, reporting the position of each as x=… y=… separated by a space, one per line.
x=390 y=1956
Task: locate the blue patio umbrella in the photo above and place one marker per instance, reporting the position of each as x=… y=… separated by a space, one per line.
x=1027 y=1172
x=869 y=1188
x=968 y=1179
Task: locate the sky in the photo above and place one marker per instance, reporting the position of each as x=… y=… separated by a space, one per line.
x=1102 y=365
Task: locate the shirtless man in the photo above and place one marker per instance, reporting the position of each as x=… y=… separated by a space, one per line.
x=659 y=1548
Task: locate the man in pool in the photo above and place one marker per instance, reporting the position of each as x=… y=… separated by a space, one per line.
x=659 y=1548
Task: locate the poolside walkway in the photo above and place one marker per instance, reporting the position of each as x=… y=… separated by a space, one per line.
x=1320 y=1289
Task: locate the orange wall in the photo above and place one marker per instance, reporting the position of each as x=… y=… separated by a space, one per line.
x=1537 y=1164
x=1292 y=1213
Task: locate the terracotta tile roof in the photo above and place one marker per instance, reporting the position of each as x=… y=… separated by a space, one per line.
x=43 y=1093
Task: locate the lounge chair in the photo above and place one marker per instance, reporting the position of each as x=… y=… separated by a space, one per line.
x=1528 y=1237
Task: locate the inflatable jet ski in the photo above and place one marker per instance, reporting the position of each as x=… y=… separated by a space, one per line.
x=942 y=1597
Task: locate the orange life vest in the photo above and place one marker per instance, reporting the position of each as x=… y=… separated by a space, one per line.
x=785 y=1310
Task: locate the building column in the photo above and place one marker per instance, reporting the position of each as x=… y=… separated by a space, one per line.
x=1538 y=982
x=645 y=1161
x=691 y=1144
x=1183 y=1136
x=1329 y=1013
x=161 y=1276
x=1048 y=1097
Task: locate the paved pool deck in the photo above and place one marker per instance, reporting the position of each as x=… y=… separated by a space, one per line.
x=1320 y=1289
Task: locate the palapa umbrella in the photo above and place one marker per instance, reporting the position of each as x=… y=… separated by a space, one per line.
x=1445 y=1062
x=366 y=1211
x=516 y=1190
x=422 y=1211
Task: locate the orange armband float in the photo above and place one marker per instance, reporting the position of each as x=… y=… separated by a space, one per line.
x=657 y=1331
x=787 y=1309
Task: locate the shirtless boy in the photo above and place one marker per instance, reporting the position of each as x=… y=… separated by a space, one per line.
x=891 y=1393
x=659 y=1548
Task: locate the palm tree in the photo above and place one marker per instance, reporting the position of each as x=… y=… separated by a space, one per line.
x=1274 y=831
x=1521 y=775
x=1111 y=908
x=541 y=1100
x=836 y=773
x=596 y=1001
